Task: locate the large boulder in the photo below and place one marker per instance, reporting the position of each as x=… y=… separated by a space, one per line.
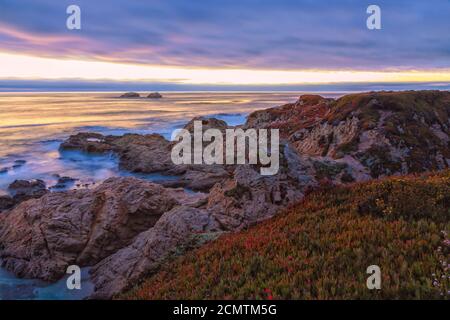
x=308 y=111
x=40 y=238
x=144 y=153
x=182 y=226
x=88 y=142
x=137 y=153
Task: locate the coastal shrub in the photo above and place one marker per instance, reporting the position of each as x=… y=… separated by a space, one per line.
x=321 y=248
x=409 y=120
x=327 y=169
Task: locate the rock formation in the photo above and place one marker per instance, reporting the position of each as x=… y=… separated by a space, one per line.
x=41 y=237
x=366 y=135
x=154 y=95
x=130 y=95
x=175 y=229
x=22 y=190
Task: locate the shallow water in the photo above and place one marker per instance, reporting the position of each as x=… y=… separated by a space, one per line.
x=12 y=288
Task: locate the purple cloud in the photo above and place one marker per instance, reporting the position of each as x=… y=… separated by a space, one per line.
x=278 y=34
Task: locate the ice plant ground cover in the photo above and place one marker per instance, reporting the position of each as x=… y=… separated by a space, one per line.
x=321 y=247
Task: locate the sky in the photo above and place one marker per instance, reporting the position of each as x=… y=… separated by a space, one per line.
x=224 y=43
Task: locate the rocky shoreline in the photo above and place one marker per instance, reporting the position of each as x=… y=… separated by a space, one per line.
x=125 y=228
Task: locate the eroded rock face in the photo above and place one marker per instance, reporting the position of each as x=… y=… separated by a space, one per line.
x=249 y=197
x=375 y=134
x=198 y=177
x=308 y=111
x=175 y=229
x=41 y=237
x=147 y=154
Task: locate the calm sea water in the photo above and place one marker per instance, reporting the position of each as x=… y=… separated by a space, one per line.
x=32 y=126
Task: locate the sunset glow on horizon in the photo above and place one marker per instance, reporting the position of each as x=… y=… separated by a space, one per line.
x=16 y=66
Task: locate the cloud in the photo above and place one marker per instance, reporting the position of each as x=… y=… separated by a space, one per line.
x=276 y=34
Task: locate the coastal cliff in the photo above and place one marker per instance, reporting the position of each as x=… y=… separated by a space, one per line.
x=127 y=229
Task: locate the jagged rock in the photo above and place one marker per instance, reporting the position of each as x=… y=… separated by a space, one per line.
x=63 y=182
x=306 y=112
x=127 y=266
x=198 y=177
x=207 y=123
x=18 y=164
x=148 y=153
x=249 y=197
x=6 y=202
x=87 y=142
x=130 y=95
x=375 y=133
x=22 y=190
x=137 y=153
x=154 y=95
x=40 y=238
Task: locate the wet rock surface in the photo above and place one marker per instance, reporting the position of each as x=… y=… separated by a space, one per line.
x=22 y=190
x=16 y=165
x=41 y=237
x=63 y=183
x=137 y=153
